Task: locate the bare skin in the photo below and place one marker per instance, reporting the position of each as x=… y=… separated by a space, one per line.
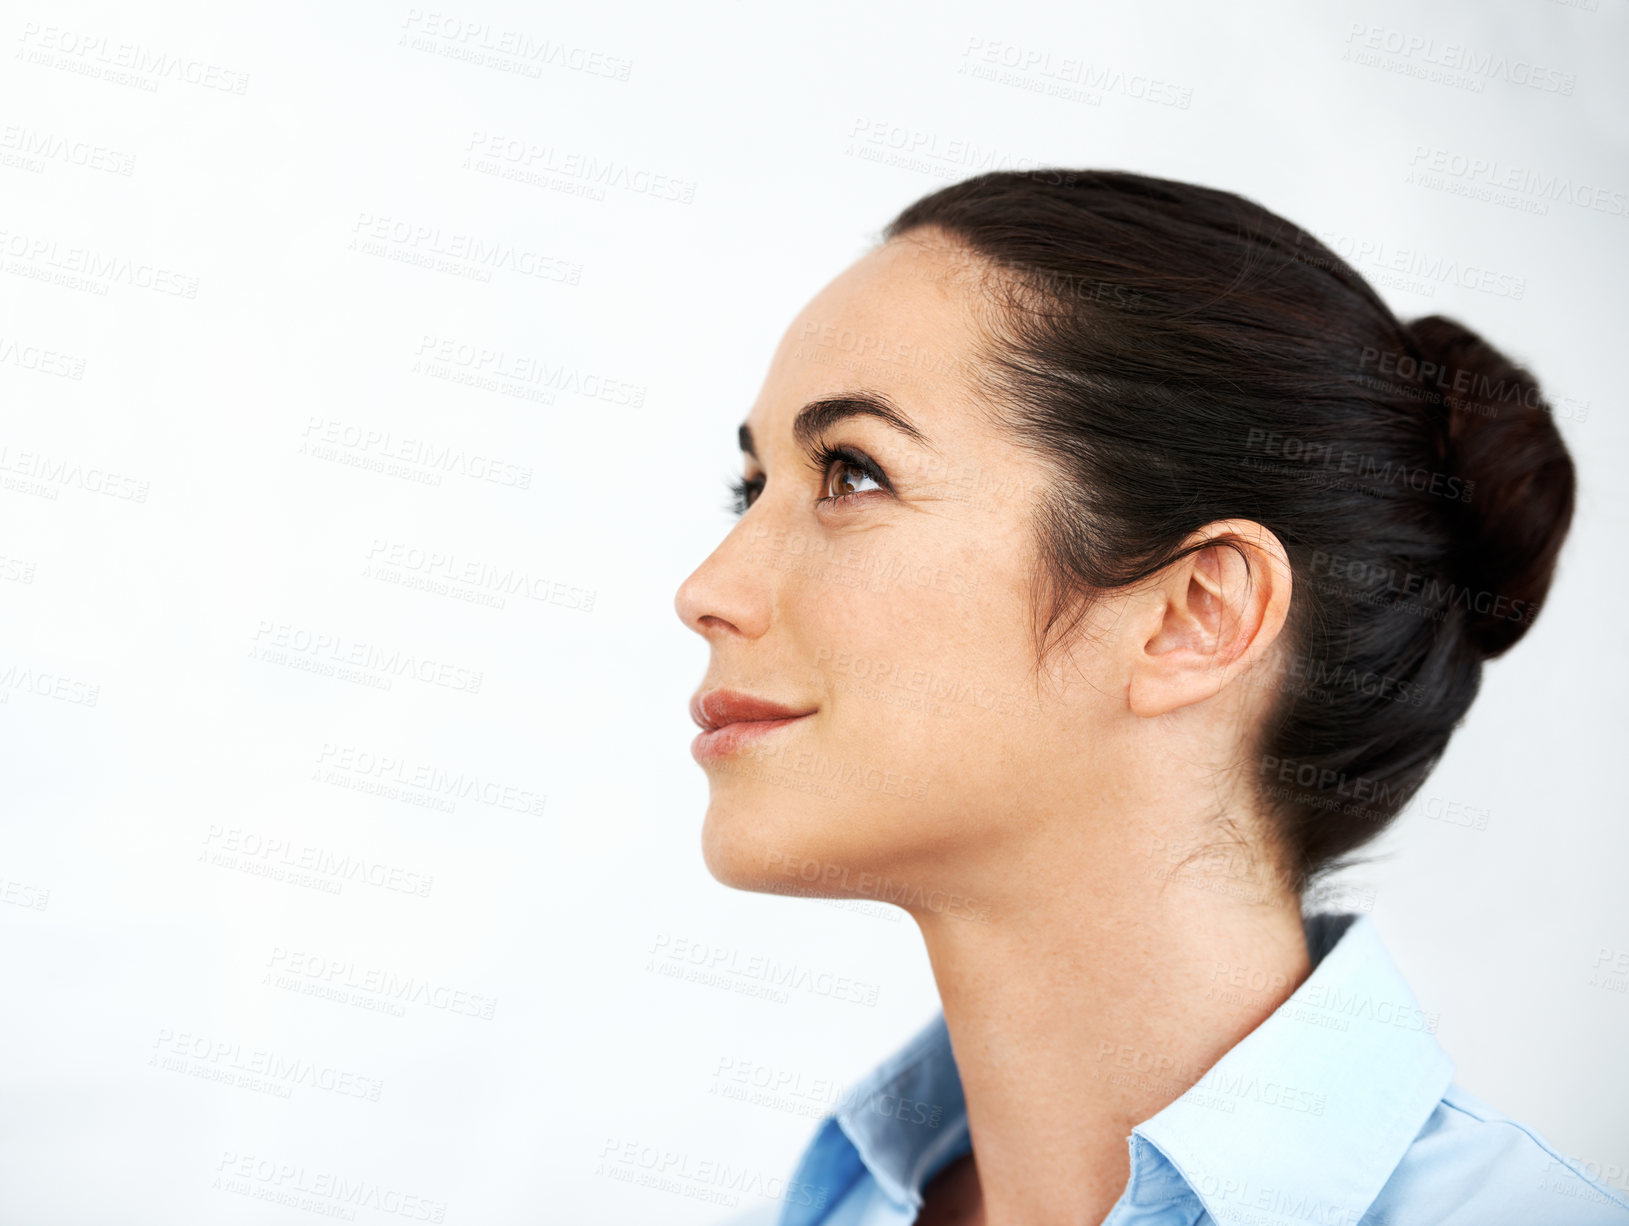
x=952 y=1197
x=1085 y=858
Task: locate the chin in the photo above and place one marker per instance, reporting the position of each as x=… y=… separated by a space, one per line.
x=771 y=844
x=743 y=840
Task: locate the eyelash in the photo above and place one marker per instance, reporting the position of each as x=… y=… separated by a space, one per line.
x=822 y=458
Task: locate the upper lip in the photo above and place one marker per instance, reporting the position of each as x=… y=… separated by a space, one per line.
x=713 y=709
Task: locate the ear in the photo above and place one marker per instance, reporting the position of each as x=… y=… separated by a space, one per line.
x=1207 y=618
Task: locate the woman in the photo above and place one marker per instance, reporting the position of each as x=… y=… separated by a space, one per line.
x=1111 y=564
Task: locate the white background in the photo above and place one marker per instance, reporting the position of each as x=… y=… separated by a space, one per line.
x=139 y=950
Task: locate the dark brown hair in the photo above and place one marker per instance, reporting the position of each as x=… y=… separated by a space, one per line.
x=1181 y=355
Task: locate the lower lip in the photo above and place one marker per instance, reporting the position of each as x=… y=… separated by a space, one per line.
x=731 y=737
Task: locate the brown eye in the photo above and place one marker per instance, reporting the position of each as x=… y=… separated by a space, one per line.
x=847 y=474
x=844 y=478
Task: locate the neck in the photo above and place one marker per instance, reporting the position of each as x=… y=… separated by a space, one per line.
x=1086 y=1004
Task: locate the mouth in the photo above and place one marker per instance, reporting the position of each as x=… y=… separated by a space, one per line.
x=730 y=721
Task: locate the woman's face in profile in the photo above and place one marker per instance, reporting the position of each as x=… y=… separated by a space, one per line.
x=879 y=583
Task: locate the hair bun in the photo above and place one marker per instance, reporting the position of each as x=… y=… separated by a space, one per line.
x=1500 y=434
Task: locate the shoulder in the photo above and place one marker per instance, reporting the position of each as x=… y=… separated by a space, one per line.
x=1472 y=1164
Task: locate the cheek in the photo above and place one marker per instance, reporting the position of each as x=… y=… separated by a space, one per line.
x=925 y=680
x=930 y=741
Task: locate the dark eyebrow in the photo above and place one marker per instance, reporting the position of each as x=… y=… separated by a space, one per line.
x=818 y=416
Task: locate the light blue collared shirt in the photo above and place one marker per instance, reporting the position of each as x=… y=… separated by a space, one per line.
x=1339 y=1110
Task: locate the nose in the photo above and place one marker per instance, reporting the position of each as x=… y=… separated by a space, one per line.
x=730 y=592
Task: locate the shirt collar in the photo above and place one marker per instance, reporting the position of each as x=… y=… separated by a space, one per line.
x=1309 y=1114
x=1304 y=1119
x=908 y=1118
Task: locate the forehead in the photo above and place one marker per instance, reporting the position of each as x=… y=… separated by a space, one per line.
x=901 y=320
